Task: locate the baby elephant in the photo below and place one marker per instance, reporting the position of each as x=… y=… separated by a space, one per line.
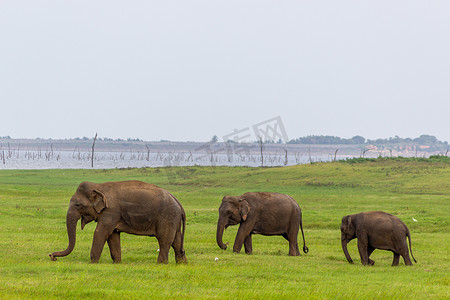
x=261 y=213
x=376 y=230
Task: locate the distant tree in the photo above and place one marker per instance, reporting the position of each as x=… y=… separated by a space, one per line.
x=357 y=139
x=426 y=139
x=395 y=140
x=215 y=139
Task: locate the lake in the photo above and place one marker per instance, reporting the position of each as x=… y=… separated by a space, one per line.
x=25 y=159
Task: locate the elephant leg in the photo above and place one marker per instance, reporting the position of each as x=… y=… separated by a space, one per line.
x=369 y=252
x=248 y=244
x=114 y=247
x=292 y=236
x=100 y=236
x=401 y=249
x=164 y=247
x=363 y=251
x=243 y=232
x=166 y=237
x=180 y=256
x=406 y=257
x=396 y=259
x=293 y=244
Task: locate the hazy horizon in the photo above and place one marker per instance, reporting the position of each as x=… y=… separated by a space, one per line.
x=137 y=139
x=186 y=71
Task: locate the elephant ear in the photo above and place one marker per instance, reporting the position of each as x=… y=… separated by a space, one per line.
x=244 y=208
x=99 y=201
x=348 y=222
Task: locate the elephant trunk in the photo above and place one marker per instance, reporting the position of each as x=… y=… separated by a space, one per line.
x=72 y=218
x=220 y=228
x=344 y=248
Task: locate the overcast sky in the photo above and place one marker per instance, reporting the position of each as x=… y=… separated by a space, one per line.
x=188 y=70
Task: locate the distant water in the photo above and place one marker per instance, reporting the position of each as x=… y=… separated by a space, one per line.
x=21 y=159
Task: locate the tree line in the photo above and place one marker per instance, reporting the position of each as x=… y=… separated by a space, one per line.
x=359 y=140
x=308 y=140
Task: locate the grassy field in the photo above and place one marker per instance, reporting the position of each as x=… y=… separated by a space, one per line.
x=33 y=205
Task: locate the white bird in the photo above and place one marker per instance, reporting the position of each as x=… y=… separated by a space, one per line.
x=157 y=250
x=414 y=219
x=216 y=259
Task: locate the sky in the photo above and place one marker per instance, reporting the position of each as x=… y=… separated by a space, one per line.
x=189 y=70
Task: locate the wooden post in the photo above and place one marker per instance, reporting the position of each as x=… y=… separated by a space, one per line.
x=92 y=156
x=335 y=152
x=148 y=152
x=309 y=154
x=285 y=157
x=261 y=148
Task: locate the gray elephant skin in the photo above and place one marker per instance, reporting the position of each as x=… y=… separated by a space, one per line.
x=376 y=230
x=134 y=207
x=260 y=213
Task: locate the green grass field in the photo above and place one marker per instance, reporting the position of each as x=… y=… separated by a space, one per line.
x=33 y=205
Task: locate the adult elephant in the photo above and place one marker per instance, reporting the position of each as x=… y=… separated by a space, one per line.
x=260 y=213
x=133 y=207
x=376 y=230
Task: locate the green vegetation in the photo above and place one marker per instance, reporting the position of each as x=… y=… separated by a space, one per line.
x=33 y=204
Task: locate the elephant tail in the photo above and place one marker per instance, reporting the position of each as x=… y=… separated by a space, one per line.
x=305 y=249
x=408 y=234
x=183 y=217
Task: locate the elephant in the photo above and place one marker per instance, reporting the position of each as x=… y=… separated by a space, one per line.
x=376 y=230
x=260 y=213
x=134 y=207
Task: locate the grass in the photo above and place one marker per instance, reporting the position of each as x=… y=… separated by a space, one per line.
x=33 y=204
